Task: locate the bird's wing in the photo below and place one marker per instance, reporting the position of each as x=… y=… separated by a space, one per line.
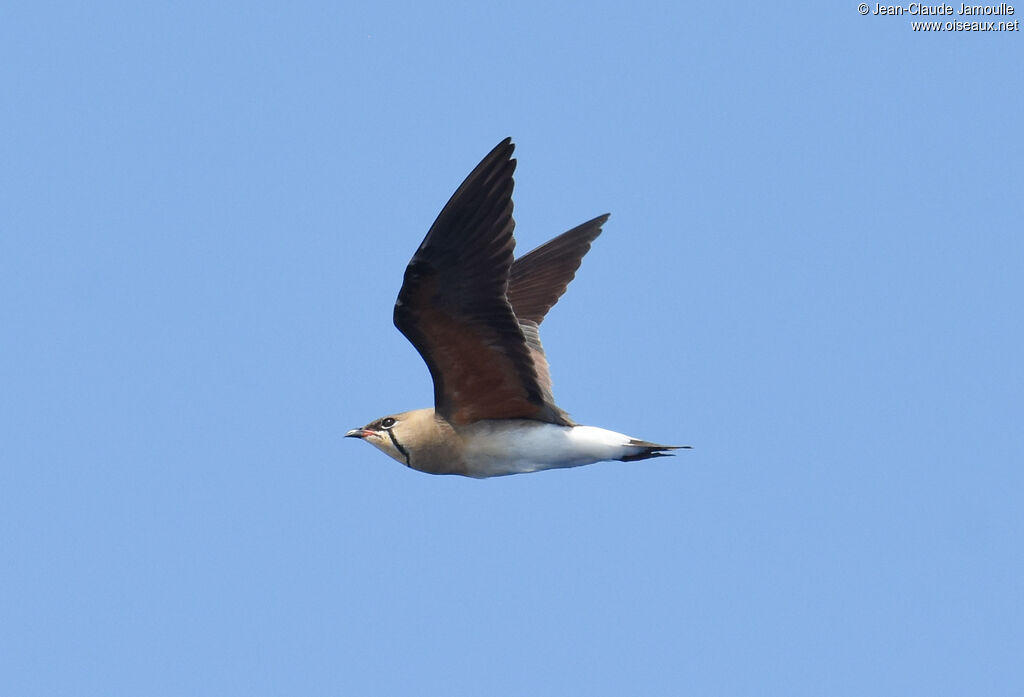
x=454 y=310
x=538 y=279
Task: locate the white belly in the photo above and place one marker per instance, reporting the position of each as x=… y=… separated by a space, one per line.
x=493 y=449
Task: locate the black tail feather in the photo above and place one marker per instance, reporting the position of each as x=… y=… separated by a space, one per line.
x=652 y=450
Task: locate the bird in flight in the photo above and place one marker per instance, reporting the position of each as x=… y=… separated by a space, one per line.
x=473 y=312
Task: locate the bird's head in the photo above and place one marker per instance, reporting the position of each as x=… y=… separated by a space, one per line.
x=398 y=435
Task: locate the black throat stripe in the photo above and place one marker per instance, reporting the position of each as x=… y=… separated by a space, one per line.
x=398 y=446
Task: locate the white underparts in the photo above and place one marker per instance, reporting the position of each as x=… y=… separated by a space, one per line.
x=495 y=448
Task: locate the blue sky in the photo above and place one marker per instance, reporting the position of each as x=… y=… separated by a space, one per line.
x=812 y=274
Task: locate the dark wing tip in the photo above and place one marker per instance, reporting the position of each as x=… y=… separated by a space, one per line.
x=502 y=150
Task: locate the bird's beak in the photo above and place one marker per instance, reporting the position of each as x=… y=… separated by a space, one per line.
x=358 y=433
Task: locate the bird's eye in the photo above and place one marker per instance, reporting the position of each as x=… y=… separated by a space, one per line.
x=387 y=423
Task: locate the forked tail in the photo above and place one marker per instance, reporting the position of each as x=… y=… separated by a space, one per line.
x=651 y=450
